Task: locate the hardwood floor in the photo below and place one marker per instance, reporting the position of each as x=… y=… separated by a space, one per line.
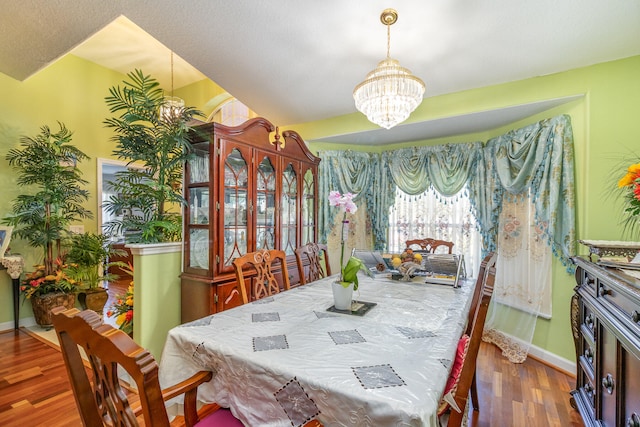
x=35 y=391
x=530 y=394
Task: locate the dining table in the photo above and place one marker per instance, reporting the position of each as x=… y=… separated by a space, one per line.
x=289 y=358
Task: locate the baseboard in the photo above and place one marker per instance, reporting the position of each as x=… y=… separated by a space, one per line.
x=560 y=363
x=25 y=321
x=563 y=365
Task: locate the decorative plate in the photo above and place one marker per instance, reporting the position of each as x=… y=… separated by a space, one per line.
x=200 y=251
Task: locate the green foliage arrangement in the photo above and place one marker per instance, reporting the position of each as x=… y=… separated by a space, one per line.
x=148 y=200
x=54 y=195
x=88 y=254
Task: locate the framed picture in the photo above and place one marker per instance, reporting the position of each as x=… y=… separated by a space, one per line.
x=5 y=237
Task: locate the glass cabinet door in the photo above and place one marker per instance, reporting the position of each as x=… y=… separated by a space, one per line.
x=289 y=210
x=234 y=208
x=308 y=208
x=265 y=205
x=199 y=165
x=197 y=212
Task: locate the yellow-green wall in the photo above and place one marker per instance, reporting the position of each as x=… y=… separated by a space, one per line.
x=72 y=91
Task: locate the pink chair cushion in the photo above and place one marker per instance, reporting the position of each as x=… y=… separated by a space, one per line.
x=220 y=418
x=456 y=371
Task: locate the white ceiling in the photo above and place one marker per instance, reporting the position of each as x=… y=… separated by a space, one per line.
x=295 y=61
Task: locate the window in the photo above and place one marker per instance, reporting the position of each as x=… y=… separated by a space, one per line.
x=232 y=113
x=431 y=215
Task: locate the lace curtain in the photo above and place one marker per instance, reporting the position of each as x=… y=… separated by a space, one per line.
x=522 y=290
x=432 y=215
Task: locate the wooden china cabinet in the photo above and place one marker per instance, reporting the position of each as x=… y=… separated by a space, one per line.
x=245 y=191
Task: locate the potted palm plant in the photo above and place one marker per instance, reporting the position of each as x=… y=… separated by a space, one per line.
x=149 y=133
x=87 y=260
x=54 y=195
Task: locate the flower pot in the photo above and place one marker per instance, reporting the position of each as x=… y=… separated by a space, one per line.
x=342 y=296
x=43 y=304
x=94 y=299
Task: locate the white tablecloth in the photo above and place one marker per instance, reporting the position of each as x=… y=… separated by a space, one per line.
x=285 y=359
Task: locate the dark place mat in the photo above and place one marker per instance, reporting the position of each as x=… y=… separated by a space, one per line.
x=358 y=308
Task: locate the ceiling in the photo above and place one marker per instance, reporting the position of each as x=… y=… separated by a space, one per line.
x=296 y=61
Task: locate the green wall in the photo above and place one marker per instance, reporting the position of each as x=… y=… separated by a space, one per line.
x=72 y=91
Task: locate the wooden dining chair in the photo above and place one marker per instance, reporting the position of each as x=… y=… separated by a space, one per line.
x=487 y=263
x=423 y=244
x=464 y=366
x=435 y=244
x=309 y=255
x=103 y=401
x=429 y=245
x=261 y=278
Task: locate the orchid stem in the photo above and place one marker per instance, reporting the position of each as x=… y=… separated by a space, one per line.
x=344 y=225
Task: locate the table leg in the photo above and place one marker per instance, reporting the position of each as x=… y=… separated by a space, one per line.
x=16 y=302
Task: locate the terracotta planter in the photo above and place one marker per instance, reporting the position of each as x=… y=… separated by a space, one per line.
x=43 y=304
x=93 y=299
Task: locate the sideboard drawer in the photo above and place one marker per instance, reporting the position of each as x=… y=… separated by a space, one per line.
x=629 y=310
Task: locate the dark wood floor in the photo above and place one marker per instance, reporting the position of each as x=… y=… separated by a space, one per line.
x=35 y=391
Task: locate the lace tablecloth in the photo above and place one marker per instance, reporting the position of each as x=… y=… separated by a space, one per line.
x=285 y=359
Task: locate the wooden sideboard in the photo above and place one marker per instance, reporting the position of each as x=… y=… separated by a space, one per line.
x=605 y=319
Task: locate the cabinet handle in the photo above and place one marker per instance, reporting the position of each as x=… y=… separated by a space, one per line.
x=607 y=382
x=588 y=320
x=602 y=291
x=635 y=316
x=232 y=294
x=588 y=354
x=588 y=389
x=633 y=420
x=589 y=280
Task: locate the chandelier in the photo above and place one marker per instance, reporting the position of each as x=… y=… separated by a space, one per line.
x=390 y=93
x=172 y=106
